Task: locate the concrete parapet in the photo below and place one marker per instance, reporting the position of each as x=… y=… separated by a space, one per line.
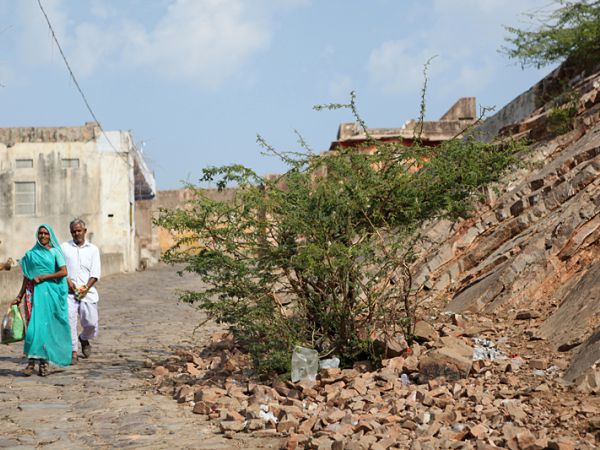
x=514 y=112
x=10 y=283
x=111 y=263
x=86 y=133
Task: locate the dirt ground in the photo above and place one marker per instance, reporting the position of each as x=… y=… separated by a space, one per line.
x=107 y=401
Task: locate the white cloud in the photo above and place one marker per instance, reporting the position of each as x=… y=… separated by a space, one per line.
x=504 y=8
x=6 y=76
x=202 y=41
x=91 y=47
x=466 y=35
x=340 y=87
x=468 y=79
x=38 y=46
x=397 y=66
x=100 y=9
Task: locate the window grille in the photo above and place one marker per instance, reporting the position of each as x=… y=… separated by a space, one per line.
x=24 y=163
x=70 y=163
x=25 y=198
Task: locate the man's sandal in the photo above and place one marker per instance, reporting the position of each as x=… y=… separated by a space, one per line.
x=29 y=368
x=43 y=371
x=86 y=348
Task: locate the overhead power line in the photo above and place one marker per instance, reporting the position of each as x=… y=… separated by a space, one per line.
x=62 y=54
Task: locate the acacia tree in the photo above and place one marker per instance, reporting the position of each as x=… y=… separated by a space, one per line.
x=320 y=256
x=571 y=31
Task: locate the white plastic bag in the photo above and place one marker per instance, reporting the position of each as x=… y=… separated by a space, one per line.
x=331 y=363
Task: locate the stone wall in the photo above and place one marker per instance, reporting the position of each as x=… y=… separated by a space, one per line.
x=561 y=79
x=10 y=280
x=177 y=198
x=10 y=283
x=146 y=233
x=513 y=112
x=111 y=263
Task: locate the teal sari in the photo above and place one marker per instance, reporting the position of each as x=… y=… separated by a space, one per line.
x=48 y=334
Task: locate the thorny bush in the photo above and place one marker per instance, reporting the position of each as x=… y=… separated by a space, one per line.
x=570 y=32
x=321 y=255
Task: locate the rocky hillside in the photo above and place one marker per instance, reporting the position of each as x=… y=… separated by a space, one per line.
x=504 y=354
x=530 y=257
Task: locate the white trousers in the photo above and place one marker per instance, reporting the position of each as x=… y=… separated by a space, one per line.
x=87 y=315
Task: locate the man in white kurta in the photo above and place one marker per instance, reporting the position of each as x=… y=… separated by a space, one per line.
x=83 y=267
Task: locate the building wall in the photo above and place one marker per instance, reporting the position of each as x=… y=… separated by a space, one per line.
x=146 y=233
x=100 y=190
x=178 y=198
x=10 y=281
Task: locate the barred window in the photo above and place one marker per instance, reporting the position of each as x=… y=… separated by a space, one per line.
x=24 y=163
x=25 y=198
x=70 y=163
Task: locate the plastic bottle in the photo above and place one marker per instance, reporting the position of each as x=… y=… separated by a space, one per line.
x=305 y=364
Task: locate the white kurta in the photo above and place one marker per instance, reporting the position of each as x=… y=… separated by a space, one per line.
x=83 y=263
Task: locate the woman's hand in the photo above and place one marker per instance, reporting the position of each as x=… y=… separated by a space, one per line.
x=38 y=280
x=16 y=301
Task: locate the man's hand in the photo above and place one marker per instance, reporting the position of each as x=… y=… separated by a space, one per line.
x=81 y=292
x=72 y=287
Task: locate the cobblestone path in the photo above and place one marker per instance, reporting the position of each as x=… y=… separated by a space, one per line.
x=107 y=401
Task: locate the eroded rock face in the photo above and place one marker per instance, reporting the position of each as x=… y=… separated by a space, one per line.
x=580 y=301
x=535 y=244
x=586 y=357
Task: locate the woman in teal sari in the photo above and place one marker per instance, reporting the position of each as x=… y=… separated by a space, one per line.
x=48 y=337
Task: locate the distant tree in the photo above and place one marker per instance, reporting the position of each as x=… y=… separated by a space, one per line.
x=571 y=31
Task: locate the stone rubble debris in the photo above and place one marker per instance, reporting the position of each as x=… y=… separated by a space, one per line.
x=486 y=349
x=436 y=396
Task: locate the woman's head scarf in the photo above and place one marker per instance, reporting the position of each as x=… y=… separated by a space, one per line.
x=53 y=241
x=39 y=256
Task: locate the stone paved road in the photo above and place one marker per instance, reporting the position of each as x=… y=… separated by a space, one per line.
x=107 y=400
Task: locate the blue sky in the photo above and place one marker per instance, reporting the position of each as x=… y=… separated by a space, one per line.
x=196 y=80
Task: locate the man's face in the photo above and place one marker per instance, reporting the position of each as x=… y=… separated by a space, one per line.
x=43 y=236
x=78 y=233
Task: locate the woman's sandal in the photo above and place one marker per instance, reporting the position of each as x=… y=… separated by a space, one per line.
x=29 y=368
x=43 y=369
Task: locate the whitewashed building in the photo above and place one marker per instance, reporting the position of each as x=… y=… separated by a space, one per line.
x=54 y=174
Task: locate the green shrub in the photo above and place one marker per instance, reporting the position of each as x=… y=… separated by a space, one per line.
x=571 y=32
x=320 y=256
x=561 y=118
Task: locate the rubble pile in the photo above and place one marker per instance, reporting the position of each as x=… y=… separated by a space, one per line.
x=462 y=385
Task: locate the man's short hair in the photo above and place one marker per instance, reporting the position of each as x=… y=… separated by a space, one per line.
x=76 y=221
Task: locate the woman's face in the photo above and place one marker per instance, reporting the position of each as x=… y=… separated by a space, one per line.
x=44 y=236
